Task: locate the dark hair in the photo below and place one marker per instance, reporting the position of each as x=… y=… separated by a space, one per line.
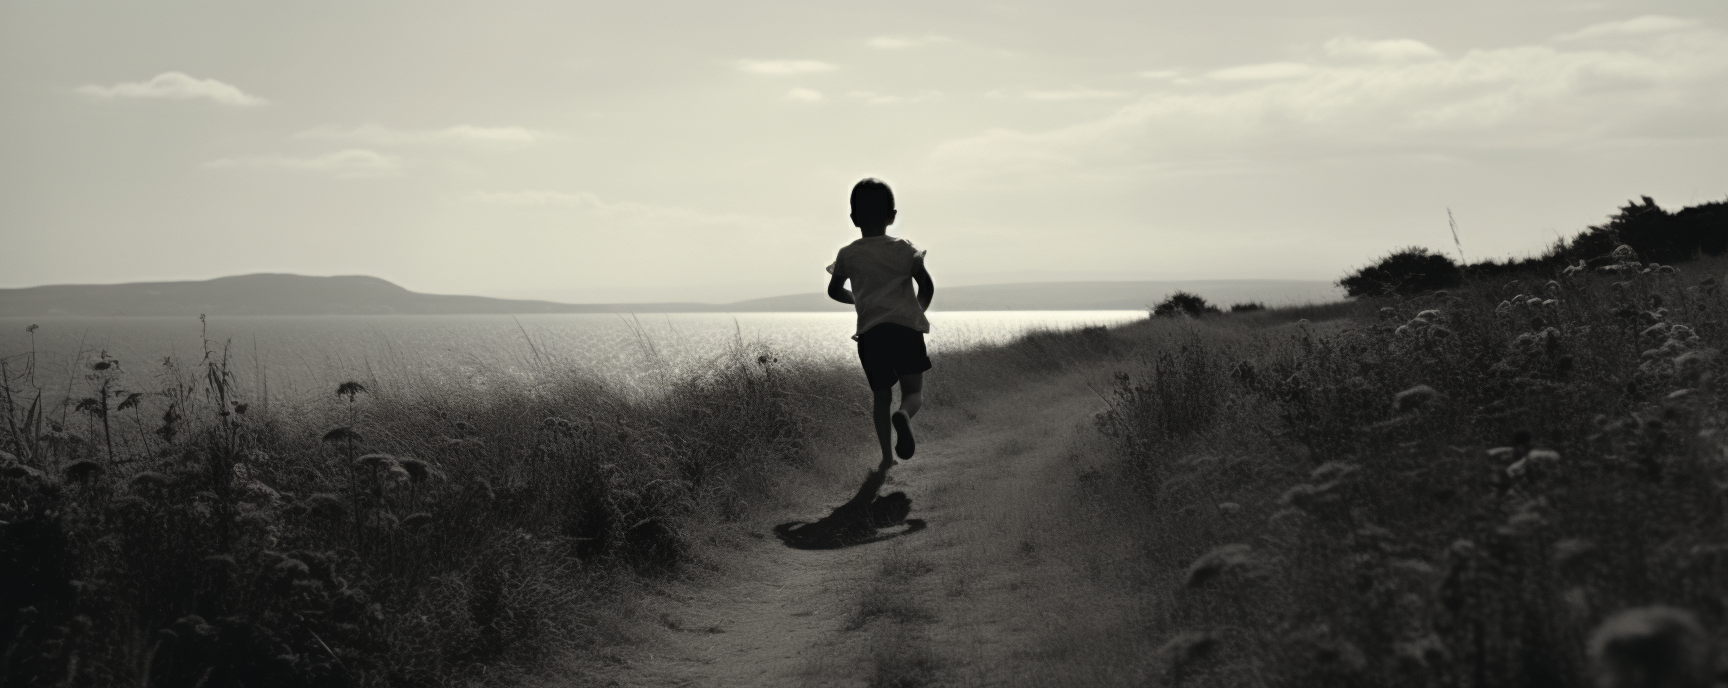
x=872 y=198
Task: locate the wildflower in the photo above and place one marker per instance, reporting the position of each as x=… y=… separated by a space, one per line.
x=375 y=461
x=1429 y=315
x=1652 y=646
x=418 y=471
x=1571 y=550
x=293 y=569
x=1307 y=495
x=342 y=434
x=326 y=504
x=147 y=480
x=1181 y=652
x=1219 y=561
x=1501 y=453
x=1414 y=398
x=1623 y=253
x=20 y=471
x=415 y=522
x=1333 y=471
x=83 y=471
x=1552 y=286
x=221 y=561
x=1693 y=364
x=1420 y=652
x=349 y=389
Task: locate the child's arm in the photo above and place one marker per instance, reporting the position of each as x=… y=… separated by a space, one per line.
x=926 y=288
x=837 y=288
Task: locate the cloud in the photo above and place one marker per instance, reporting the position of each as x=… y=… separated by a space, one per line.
x=1081 y=93
x=592 y=205
x=874 y=98
x=378 y=135
x=1261 y=72
x=1396 y=49
x=784 y=66
x=901 y=42
x=804 y=95
x=1667 y=86
x=353 y=163
x=1638 y=26
x=175 y=86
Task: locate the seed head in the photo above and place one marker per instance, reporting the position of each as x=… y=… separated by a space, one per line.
x=326 y=505
x=414 y=523
x=1657 y=646
x=418 y=471
x=1414 y=398
x=341 y=434
x=375 y=461
x=1219 y=561
x=147 y=480
x=349 y=389
x=1181 y=652
x=293 y=569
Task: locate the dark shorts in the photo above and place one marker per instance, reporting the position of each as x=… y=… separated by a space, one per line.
x=889 y=351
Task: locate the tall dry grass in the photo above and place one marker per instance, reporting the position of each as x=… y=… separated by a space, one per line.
x=1519 y=482
x=161 y=529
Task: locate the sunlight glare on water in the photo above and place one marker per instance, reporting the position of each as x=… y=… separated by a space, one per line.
x=310 y=355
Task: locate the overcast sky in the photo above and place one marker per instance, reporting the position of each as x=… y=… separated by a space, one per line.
x=704 y=151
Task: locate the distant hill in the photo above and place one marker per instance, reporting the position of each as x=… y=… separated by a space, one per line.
x=279 y=294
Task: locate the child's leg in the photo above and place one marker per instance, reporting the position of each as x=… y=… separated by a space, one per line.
x=911 y=393
x=883 y=401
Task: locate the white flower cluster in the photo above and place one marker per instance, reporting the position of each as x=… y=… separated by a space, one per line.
x=1425 y=325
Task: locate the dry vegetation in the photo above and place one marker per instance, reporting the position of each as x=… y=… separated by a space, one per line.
x=1519 y=482
x=159 y=528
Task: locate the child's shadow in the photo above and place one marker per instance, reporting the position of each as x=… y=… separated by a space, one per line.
x=865 y=519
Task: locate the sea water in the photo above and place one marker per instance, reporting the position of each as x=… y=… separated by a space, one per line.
x=295 y=356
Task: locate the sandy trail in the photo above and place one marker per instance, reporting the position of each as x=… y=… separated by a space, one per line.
x=973 y=599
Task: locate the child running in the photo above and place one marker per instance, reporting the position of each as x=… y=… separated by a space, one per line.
x=891 y=322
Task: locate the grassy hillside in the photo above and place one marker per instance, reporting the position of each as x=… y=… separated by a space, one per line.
x=1517 y=482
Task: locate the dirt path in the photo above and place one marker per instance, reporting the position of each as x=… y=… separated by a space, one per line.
x=980 y=597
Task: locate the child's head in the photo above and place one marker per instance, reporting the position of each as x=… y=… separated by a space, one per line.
x=872 y=203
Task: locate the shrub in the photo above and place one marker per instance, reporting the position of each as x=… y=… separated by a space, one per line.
x=1183 y=304
x=1408 y=271
x=1247 y=306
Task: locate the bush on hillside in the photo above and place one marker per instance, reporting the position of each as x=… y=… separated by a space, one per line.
x=1184 y=304
x=1408 y=271
x=1654 y=233
x=1247 y=306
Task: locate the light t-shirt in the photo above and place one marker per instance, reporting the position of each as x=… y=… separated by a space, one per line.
x=881 y=268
